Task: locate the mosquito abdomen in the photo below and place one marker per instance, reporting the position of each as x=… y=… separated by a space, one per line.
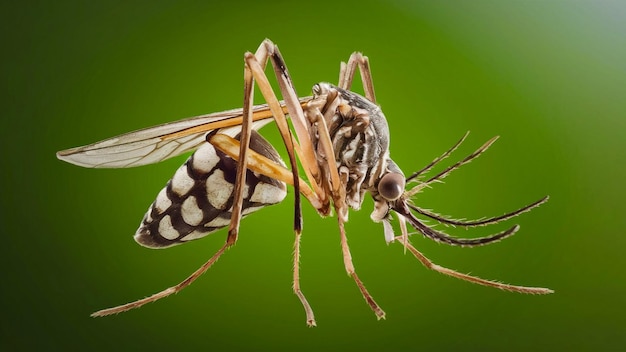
x=198 y=199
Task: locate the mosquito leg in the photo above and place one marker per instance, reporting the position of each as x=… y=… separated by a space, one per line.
x=269 y=51
x=310 y=317
x=347 y=260
x=343 y=76
x=244 y=148
x=327 y=145
x=473 y=279
x=296 y=113
x=256 y=70
x=346 y=74
x=168 y=291
x=260 y=164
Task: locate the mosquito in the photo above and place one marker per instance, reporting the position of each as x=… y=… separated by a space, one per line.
x=341 y=140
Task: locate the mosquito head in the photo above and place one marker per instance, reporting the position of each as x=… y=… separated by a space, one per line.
x=387 y=190
x=402 y=205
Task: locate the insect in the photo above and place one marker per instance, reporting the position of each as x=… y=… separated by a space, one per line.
x=341 y=140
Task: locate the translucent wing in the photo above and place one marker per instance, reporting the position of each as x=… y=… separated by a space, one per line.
x=155 y=144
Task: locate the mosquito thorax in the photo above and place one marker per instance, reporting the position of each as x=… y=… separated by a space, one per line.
x=359 y=135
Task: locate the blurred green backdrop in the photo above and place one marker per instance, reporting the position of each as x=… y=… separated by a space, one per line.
x=549 y=77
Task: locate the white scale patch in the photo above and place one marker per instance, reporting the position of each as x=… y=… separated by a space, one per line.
x=351 y=148
x=192 y=214
x=162 y=201
x=182 y=182
x=166 y=230
x=246 y=191
x=267 y=194
x=218 y=190
x=205 y=158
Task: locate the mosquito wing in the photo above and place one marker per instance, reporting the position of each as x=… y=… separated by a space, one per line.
x=155 y=144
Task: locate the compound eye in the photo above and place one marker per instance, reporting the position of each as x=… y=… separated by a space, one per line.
x=391 y=186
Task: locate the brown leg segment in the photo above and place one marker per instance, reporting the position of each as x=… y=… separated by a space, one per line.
x=169 y=291
x=473 y=279
x=346 y=75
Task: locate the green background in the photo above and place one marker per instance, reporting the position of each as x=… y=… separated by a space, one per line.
x=548 y=77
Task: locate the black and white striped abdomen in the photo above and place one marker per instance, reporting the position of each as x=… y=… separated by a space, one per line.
x=198 y=199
